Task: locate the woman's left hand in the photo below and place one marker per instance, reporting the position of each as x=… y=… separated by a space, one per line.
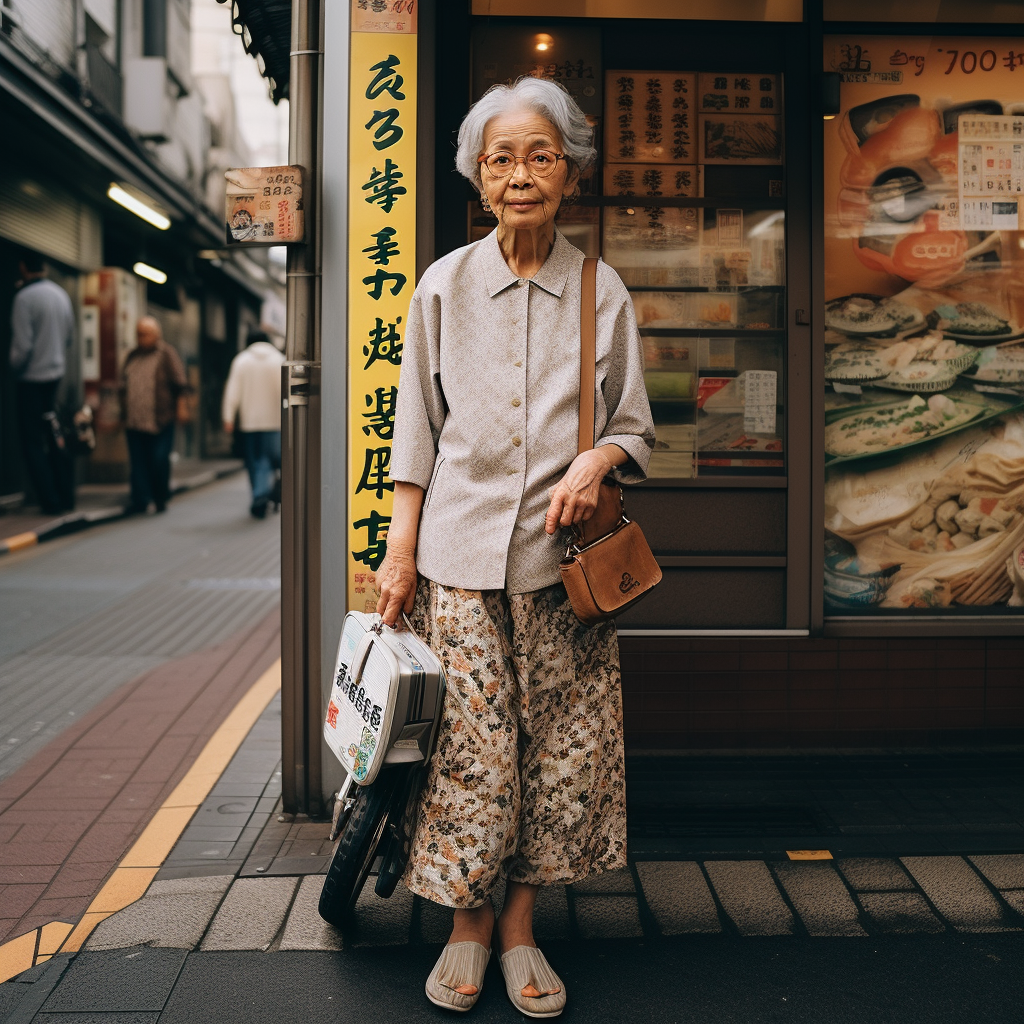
x=574 y=498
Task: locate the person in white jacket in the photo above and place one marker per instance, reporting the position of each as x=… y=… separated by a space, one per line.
x=253 y=393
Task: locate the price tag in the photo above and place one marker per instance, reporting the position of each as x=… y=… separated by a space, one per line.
x=759 y=391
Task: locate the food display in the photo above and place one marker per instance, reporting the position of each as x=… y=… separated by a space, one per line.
x=973 y=321
x=924 y=341
x=853 y=363
x=871 y=315
x=871 y=429
x=921 y=375
x=1002 y=364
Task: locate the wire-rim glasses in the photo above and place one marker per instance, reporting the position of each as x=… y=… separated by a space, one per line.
x=539 y=162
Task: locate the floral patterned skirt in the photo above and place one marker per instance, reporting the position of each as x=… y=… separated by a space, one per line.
x=528 y=777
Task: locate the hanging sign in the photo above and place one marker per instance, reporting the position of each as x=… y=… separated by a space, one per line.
x=382 y=268
x=263 y=205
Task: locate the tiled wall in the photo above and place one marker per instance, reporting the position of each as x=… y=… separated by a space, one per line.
x=759 y=693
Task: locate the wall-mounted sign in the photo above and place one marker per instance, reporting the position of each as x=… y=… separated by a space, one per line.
x=263 y=205
x=392 y=16
x=381 y=273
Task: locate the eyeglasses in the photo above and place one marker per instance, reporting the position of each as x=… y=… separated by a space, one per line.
x=540 y=163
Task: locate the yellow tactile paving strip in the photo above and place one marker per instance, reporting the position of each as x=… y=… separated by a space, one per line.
x=140 y=864
x=20 y=541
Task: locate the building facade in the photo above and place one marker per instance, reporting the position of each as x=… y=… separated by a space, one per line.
x=815 y=208
x=102 y=93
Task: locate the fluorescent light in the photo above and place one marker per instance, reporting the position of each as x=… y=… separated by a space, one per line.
x=150 y=273
x=138 y=207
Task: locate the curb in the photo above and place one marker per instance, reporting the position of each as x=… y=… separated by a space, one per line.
x=133 y=874
x=74 y=522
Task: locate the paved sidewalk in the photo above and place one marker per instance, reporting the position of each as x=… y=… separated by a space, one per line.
x=246 y=877
x=122 y=654
x=102 y=503
x=71 y=813
x=728 y=936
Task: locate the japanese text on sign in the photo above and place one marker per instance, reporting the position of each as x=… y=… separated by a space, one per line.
x=382 y=246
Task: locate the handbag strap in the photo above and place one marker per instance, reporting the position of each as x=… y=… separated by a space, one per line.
x=588 y=353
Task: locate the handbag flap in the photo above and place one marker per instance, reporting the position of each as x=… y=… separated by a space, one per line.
x=636 y=569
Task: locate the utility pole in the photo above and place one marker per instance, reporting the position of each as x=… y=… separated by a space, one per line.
x=300 y=457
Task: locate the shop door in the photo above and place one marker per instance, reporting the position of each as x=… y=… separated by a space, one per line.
x=699 y=200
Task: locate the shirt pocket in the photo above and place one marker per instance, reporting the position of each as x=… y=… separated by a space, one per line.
x=433 y=480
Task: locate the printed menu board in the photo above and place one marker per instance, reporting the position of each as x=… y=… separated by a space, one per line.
x=924 y=316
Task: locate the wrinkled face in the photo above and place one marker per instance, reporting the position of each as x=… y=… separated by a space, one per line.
x=523 y=200
x=147 y=334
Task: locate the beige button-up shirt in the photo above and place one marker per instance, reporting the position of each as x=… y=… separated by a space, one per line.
x=488 y=409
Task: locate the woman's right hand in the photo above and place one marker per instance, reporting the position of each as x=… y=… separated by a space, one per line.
x=396 y=579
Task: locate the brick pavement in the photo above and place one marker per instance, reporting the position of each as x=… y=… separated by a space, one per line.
x=69 y=814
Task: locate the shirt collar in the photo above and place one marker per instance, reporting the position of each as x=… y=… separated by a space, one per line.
x=551 y=277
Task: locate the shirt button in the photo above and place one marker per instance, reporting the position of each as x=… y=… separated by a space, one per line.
x=516 y=403
x=516 y=441
x=520 y=363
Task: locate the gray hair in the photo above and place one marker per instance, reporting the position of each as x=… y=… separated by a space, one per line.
x=539 y=95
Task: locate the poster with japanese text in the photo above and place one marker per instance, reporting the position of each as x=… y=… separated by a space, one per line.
x=924 y=328
x=382 y=276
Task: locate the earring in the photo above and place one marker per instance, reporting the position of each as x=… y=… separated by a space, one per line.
x=572 y=196
x=485 y=203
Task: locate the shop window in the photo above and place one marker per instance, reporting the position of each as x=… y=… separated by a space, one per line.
x=686 y=202
x=924 y=318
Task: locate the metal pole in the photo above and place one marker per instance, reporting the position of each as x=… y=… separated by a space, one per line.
x=300 y=467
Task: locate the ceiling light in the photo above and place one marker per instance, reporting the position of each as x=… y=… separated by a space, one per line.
x=542 y=41
x=141 y=209
x=150 y=273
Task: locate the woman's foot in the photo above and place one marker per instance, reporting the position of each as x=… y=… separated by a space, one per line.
x=515 y=929
x=457 y=979
x=473 y=925
x=533 y=987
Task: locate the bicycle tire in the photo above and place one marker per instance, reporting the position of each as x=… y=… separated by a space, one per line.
x=355 y=853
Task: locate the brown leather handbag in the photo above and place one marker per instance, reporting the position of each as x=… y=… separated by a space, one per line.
x=608 y=565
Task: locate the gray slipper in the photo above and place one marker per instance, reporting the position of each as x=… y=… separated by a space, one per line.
x=461 y=963
x=527 y=965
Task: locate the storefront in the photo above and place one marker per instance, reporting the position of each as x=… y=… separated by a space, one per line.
x=816 y=211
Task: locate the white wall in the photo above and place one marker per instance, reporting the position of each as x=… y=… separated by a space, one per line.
x=49 y=25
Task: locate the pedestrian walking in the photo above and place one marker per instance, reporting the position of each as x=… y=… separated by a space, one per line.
x=253 y=393
x=153 y=380
x=527 y=779
x=42 y=327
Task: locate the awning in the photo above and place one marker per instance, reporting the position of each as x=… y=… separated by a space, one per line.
x=266 y=30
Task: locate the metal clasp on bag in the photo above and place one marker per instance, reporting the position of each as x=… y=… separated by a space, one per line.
x=575 y=548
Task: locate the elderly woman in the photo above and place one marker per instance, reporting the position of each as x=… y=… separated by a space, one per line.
x=527 y=780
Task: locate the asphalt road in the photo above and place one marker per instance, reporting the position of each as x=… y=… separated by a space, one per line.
x=701 y=980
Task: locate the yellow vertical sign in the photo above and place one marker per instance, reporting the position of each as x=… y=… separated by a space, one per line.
x=381 y=279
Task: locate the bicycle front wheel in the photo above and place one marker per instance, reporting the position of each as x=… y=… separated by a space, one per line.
x=355 y=852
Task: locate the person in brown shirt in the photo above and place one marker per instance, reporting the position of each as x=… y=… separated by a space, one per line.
x=153 y=378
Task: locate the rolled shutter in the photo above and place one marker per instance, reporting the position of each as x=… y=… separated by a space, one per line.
x=50 y=220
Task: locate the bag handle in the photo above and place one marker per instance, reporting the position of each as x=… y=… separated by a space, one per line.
x=588 y=353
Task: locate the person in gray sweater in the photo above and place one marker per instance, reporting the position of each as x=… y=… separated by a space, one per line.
x=42 y=326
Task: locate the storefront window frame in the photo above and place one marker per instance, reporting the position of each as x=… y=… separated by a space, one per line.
x=968 y=624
